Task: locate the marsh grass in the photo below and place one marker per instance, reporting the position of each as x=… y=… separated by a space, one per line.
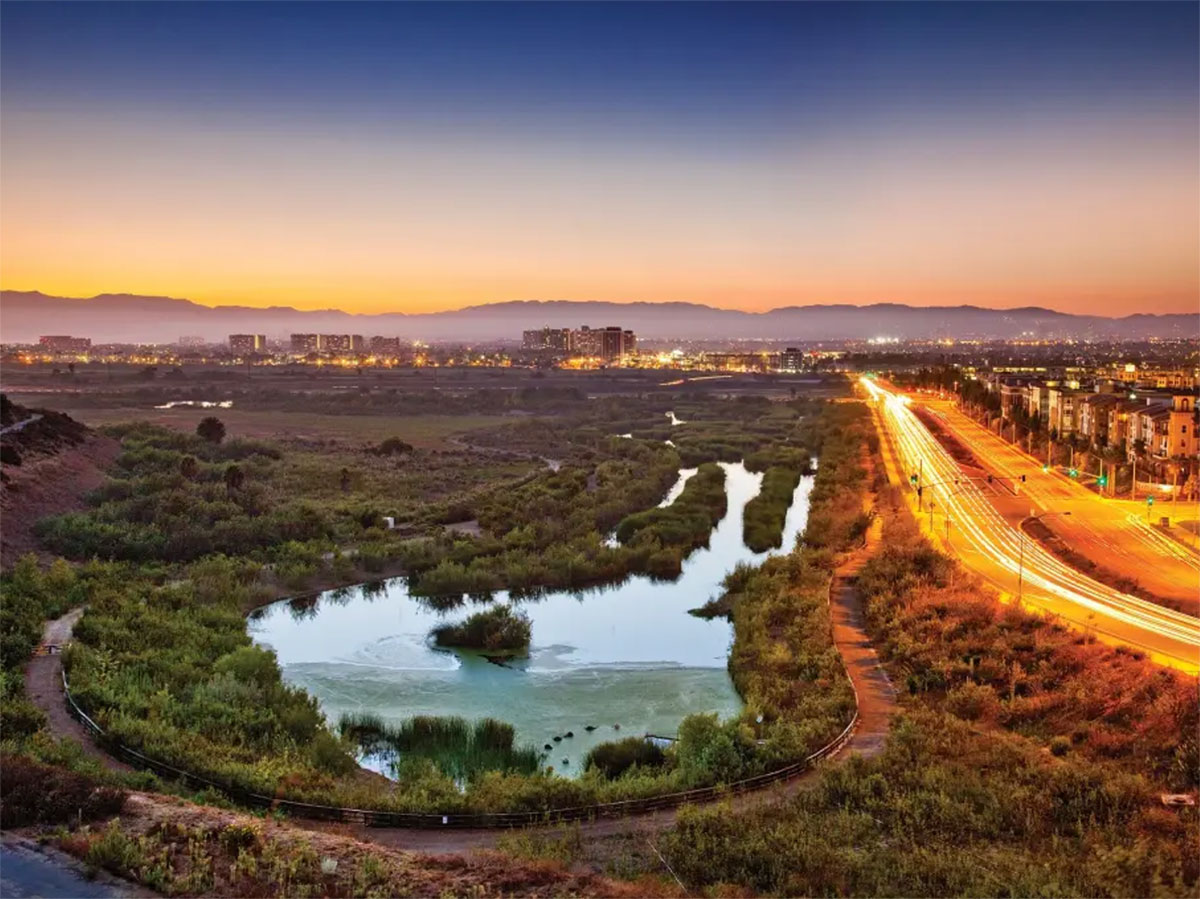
x=492 y=629
x=459 y=748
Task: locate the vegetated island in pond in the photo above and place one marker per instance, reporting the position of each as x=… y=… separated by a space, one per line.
x=496 y=629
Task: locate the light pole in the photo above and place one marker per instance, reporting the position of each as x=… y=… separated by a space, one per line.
x=1021 y=547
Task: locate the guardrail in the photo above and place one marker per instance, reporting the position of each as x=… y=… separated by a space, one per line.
x=377 y=818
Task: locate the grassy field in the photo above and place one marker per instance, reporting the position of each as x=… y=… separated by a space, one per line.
x=423 y=431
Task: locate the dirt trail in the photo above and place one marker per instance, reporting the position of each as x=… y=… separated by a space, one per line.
x=874 y=692
x=43 y=683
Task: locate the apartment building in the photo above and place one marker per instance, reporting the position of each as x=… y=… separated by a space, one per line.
x=247 y=344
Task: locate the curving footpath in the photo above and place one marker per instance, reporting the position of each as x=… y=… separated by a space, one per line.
x=874 y=693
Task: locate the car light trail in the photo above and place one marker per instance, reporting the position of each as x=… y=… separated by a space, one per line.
x=998 y=551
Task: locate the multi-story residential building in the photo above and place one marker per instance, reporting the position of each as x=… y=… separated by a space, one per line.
x=1154 y=378
x=791 y=359
x=342 y=343
x=385 y=346
x=543 y=339
x=1014 y=394
x=62 y=343
x=611 y=342
x=307 y=343
x=1037 y=399
x=1094 y=414
x=247 y=344
x=1060 y=405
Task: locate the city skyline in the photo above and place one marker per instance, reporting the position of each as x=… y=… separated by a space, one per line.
x=382 y=158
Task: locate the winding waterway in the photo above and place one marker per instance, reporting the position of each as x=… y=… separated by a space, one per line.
x=626 y=659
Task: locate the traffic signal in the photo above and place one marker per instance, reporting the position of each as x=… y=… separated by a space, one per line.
x=920 y=490
x=989 y=479
x=1022 y=479
x=1149 y=500
x=1074 y=472
x=912 y=479
x=1102 y=481
x=1046 y=467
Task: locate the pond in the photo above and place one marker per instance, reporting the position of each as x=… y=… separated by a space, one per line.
x=626 y=659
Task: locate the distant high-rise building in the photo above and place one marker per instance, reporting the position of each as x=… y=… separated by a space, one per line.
x=556 y=339
x=342 y=343
x=610 y=342
x=791 y=359
x=306 y=343
x=385 y=346
x=192 y=341
x=248 y=344
x=61 y=343
x=335 y=343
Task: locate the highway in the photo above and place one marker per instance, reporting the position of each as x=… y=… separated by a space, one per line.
x=1016 y=565
x=1110 y=532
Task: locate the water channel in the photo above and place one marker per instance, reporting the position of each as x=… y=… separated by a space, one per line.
x=626 y=659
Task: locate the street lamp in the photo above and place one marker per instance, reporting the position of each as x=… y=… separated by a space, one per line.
x=1021 y=547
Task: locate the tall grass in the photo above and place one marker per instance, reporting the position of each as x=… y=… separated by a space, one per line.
x=460 y=749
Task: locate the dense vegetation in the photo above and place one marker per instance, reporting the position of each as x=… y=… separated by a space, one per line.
x=766 y=514
x=616 y=757
x=459 y=749
x=1027 y=762
x=31 y=595
x=163 y=663
x=687 y=522
x=33 y=793
x=492 y=629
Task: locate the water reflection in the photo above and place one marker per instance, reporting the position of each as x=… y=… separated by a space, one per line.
x=624 y=655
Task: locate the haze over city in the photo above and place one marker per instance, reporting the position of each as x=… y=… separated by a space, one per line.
x=414 y=158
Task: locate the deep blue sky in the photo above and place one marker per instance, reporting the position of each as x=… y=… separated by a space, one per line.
x=744 y=154
x=769 y=63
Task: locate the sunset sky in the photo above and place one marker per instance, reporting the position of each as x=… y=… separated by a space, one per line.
x=387 y=157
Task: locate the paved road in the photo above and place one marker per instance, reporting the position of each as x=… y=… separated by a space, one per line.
x=1112 y=533
x=989 y=545
x=29 y=871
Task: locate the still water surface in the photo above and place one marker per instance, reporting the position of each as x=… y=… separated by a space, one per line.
x=627 y=654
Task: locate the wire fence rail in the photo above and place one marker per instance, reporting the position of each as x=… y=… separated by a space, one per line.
x=478 y=820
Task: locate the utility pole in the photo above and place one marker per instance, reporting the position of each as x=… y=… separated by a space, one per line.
x=1133 y=485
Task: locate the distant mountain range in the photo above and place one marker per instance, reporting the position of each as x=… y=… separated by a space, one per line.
x=128 y=318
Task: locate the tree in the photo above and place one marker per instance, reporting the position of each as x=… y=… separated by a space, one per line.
x=189 y=467
x=234 y=478
x=394 y=446
x=211 y=429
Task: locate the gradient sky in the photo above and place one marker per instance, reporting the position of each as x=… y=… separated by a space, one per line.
x=387 y=157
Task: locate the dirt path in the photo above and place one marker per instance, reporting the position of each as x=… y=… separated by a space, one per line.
x=874 y=693
x=43 y=683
